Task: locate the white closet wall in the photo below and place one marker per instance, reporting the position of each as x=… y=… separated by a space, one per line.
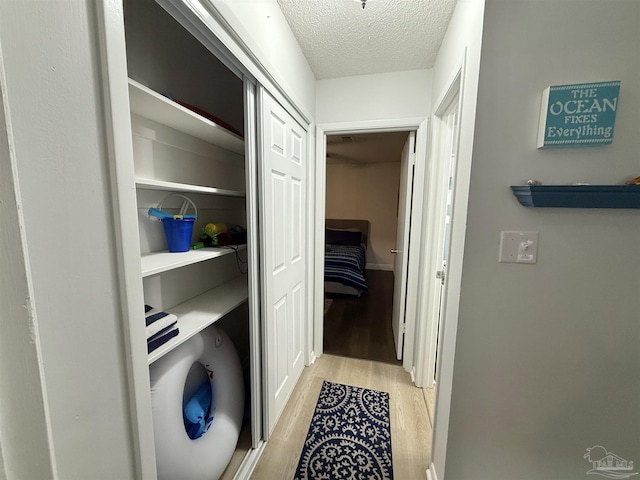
x=178 y=150
x=163 y=57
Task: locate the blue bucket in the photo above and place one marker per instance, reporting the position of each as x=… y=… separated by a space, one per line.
x=178 y=229
x=178 y=233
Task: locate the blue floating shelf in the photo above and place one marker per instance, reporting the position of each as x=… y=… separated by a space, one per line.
x=578 y=196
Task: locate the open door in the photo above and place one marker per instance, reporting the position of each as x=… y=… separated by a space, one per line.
x=449 y=135
x=283 y=214
x=400 y=267
x=445 y=138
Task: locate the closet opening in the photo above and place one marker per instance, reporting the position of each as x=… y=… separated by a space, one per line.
x=363 y=209
x=188 y=129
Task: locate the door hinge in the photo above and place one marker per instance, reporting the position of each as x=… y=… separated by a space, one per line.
x=403 y=327
x=412 y=158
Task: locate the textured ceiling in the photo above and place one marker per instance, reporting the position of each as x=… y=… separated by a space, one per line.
x=341 y=39
x=362 y=149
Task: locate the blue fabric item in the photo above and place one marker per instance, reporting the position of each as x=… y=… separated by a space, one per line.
x=162 y=332
x=161 y=338
x=196 y=412
x=154 y=317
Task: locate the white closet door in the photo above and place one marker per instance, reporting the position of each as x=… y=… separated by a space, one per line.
x=284 y=219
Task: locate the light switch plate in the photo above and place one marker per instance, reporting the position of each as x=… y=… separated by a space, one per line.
x=518 y=247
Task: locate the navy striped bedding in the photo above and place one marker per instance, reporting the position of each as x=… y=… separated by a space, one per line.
x=345 y=264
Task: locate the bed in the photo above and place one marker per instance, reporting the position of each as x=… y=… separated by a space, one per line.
x=345 y=256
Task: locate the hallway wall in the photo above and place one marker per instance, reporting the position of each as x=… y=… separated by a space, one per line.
x=262 y=28
x=547 y=356
x=54 y=100
x=380 y=96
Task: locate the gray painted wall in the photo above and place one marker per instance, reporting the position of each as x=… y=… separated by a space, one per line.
x=547 y=358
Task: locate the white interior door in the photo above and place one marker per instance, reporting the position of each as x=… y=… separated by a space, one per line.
x=450 y=122
x=402 y=243
x=284 y=219
x=446 y=139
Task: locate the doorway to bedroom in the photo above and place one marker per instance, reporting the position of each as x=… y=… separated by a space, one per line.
x=362 y=209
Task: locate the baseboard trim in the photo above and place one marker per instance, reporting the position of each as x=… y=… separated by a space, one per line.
x=379 y=266
x=431 y=473
x=312 y=359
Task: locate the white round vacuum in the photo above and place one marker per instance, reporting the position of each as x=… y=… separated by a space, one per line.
x=205 y=458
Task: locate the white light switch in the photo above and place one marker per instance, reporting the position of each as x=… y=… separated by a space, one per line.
x=518 y=247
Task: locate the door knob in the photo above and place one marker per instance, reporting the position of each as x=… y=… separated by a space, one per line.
x=394 y=250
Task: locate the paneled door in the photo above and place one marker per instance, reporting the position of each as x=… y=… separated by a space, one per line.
x=283 y=209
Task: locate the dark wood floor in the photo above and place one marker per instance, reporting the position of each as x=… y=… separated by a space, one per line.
x=361 y=327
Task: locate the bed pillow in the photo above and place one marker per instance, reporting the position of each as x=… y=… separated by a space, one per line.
x=342 y=237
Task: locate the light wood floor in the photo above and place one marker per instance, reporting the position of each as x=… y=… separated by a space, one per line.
x=243 y=447
x=410 y=422
x=430 y=399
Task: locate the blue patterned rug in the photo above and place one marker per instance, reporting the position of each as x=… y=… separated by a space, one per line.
x=349 y=436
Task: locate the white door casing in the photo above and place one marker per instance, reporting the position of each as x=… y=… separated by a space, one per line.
x=400 y=268
x=283 y=213
x=412 y=318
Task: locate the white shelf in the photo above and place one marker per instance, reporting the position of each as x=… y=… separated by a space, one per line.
x=150 y=184
x=149 y=104
x=198 y=313
x=158 y=262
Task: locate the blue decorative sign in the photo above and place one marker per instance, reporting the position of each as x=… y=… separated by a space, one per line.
x=582 y=114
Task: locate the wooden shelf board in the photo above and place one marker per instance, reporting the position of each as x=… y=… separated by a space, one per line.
x=151 y=184
x=149 y=104
x=198 y=313
x=158 y=262
x=578 y=196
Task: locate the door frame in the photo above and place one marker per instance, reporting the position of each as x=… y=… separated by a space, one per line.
x=417 y=124
x=427 y=337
